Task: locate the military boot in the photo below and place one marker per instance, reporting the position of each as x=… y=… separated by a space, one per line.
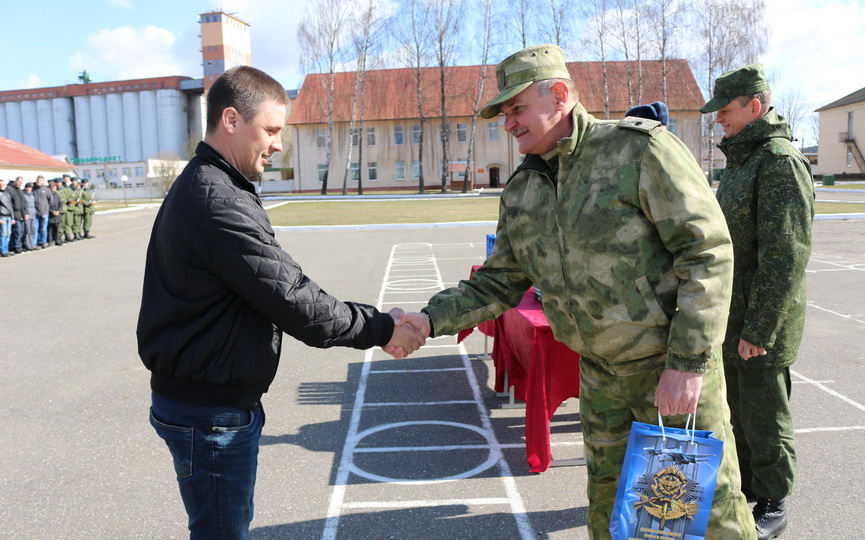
x=770 y=517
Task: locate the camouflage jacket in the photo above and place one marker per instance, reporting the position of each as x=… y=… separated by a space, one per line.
x=767 y=195
x=87 y=202
x=625 y=241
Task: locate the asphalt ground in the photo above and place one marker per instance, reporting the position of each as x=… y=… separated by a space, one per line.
x=356 y=445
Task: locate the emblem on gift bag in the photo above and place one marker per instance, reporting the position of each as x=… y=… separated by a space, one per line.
x=667 y=483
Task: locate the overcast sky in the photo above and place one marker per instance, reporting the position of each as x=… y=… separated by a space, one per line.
x=815 y=46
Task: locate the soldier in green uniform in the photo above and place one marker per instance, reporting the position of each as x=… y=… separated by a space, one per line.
x=614 y=222
x=65 y=193
x=88 y=205
x=76 y=209
x=767 y=195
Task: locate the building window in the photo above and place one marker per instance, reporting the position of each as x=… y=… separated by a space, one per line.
x=112 y=173
x=100 y=173
x=493 y=131
x=126 y=170
x=462 y=133
x=673 y=126
x=849 y=156
x=398 y=135
x=319 y=138
x=415 y=169
x=139 y=171
x=415 y=134
x=355 y=136
x=399 y=170
x=372 y=170
x=322 y=172
x=370 y=136
x=85 y=174
x=355 y=172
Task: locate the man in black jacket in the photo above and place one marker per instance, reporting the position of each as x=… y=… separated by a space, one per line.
x=19 y=215
x=219 y=291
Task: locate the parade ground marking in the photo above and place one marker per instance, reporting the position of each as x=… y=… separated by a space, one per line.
x=412 y=268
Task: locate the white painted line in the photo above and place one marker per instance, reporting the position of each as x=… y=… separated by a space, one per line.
x=423 y=403
x=425 y=370
x=387 y=449
x=824 y=429
x=829 y=391
x=848 y=317
x=426 y=503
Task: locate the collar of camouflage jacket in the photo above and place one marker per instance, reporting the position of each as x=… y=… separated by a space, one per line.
x=741 y=145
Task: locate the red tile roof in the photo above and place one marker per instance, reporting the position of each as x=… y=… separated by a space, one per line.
x=391 y=92
x=17 y=154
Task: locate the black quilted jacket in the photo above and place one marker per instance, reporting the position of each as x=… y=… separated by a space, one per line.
x=219 y=291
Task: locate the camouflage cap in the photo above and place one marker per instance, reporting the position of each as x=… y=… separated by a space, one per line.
x=739 y=82
x=519 y=70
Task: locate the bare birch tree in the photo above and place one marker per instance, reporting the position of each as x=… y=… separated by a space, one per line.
x=415 y=48
x=559 y=10
x=622 y=34
x=521 y=20
x=486 y=9
x=447 y=16
x=366 y=26
x=596 y=39
x=729 y=34
x=662 y=19
x=794 y=107
x=319 y=36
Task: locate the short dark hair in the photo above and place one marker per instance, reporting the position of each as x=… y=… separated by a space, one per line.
x=764 y=97
x=246 y=89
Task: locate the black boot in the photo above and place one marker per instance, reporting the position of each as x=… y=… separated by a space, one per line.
x=770 y=517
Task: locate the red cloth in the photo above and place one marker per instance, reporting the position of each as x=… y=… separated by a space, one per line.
x=543 y=372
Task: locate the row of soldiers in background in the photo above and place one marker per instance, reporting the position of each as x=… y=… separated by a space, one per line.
x=34 y=216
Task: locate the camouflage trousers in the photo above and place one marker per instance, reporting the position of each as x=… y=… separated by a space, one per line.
x=77 y=222
x=763 y=425
x=65 y=223
x=608 y=405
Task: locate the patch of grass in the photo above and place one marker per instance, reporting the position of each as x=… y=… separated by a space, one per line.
x=839 y=208
x=371 y=212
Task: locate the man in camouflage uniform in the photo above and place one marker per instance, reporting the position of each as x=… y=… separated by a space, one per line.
x=65 y=192
x=767 y=195
x=76 y=209
x=614 y=222
x=87 y=208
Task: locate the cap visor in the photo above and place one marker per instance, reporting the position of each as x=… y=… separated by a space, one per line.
x=714 y=104
x=494 y=107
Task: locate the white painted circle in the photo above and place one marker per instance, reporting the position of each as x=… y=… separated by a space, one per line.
x=492 y=458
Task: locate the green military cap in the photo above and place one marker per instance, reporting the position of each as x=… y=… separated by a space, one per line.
x=744 y=81
x=519 y=70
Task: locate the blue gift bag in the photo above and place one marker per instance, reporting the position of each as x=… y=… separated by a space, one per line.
x=491 y=241
x=667 y=483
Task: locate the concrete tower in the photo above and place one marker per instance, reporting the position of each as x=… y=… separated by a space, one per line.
x=225 y=43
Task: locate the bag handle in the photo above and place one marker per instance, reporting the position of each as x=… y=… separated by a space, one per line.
x=691 y=419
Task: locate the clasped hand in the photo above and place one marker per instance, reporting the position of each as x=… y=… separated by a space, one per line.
x=409 y=333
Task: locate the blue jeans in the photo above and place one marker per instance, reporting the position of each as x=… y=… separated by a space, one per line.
x=215 y=451
x=41 y=233
x=5 y=233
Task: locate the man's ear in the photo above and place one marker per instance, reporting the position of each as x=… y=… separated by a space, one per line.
x=755 y=107
x=561 y=93
x=229 y=119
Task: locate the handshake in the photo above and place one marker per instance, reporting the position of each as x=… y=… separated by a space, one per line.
x=409 y=333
